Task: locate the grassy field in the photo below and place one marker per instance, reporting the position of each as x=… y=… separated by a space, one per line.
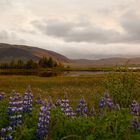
x=123 y=89
x=55 y=87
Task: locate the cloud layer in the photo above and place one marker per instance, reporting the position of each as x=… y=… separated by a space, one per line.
x=76 y=28
x=90 y=32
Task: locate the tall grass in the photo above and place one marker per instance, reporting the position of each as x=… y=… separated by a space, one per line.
x=123 y=88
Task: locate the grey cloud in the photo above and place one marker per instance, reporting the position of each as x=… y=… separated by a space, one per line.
x=76 y=32
x=131 y=25
x=54 y=28
x=91 y=35
x=58 y=29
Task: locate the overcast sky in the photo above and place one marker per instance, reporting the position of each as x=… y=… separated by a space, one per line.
x=75 y=28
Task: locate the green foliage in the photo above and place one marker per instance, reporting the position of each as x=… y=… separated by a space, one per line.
x=47 y=63
x=124 y=87
x=106 y=125
x=30 y=64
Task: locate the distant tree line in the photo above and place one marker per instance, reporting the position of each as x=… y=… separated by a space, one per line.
x=30 y=64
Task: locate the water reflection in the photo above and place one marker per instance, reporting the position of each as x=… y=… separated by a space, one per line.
x=36 y=73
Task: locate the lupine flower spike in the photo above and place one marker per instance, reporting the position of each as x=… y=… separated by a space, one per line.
x=2 y=95
x=43 y=122
x=64 y=103
x=106 y=101
x=65 y=107
x=135 y=108
x=15 y=109
x=5 y=133
x=15 y=117
x=135 y=125
x=39 y=100
x=82 y=108
x=27 y=101
x=102 y=103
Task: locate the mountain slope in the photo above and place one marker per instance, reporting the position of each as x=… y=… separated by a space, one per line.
x=12 y=52
x=106 y=62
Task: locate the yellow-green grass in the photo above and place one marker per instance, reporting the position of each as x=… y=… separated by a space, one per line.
x=123 y=87
x=56 y=87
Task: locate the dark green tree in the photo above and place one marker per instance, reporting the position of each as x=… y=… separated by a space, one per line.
x=12 y=64
x=20 y=64
x=31 y=64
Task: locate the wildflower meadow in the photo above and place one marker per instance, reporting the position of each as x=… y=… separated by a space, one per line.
x=100 y=107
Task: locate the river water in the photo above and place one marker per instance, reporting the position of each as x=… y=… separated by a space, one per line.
x=82 y=73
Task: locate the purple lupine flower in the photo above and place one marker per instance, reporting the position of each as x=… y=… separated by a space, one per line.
x=106 y=101
x=102 y=103
x=135 y=125
x=15 y=118
x=27 y=101
x=4 y=131
x=82 y=101
x=110 y=103
x=69 y=112
x=64 y=103
x=85 y=110
x=135 y=108
x=82 y=108
x=78 y=109
x=15 y=109
x=2 y=94
x=43 y=122
x=39 y=100
x=65 y=107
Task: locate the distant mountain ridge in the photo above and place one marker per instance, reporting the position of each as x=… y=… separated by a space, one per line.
x=108 y=61
x=10 y=52
x=13 y=52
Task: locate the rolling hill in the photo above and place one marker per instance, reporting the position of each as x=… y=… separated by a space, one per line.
x=106 y=62
x=13 y=52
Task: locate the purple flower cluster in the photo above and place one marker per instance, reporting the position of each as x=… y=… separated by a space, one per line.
x=106 y=101
x=43 y=122
x=135 y=108
x=5 y=133
x=27 y=101
x=15 y=109
x=135 y=125
x=65 y=107
x=2 y=94
x=15 y=118
x=39 y=100
x=82 y=108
